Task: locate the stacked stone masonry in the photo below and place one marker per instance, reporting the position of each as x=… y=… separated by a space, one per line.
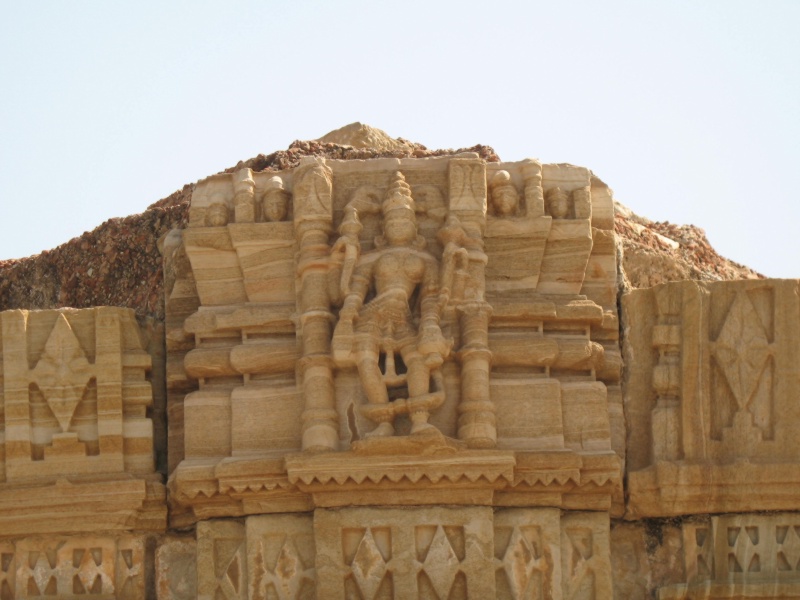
x=404 y=378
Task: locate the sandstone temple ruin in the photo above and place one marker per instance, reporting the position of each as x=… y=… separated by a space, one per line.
x=404 y=377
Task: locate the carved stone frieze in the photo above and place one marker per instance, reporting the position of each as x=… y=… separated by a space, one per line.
x=415 y=552
x=73 y=567
x=739 y=556
x=423 y=328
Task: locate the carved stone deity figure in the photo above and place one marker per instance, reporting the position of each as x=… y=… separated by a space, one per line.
x=389 y=321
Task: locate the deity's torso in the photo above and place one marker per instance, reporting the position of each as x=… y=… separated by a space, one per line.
x=399 y=269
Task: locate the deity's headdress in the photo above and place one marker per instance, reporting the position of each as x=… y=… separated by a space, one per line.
x=398 y=202
x=501 y=179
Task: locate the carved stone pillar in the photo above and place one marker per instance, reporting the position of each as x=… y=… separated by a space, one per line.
x=468 y=200
x=667 y=376
x=313 y=223
x=476 y=424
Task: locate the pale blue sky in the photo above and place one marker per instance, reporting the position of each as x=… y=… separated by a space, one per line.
x=690 y=111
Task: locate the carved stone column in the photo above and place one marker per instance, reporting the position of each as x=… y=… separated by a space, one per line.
x=667 y=376
x=476 y=424
x=313 y=224
x=468 y=200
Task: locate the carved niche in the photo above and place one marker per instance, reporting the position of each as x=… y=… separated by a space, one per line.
x=712 y=405
x=77 y=445
x=395 y=331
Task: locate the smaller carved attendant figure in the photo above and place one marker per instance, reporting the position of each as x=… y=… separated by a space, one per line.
x=276 y=201
x=558 y=201
x=504 y=196
x=392 y=310
x=346 y=251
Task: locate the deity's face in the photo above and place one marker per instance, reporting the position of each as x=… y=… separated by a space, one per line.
x=399 y=228
x=275 y=205
x=505 y=201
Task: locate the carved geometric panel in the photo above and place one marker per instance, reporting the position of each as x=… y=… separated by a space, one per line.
x=527 y=550
x=280 y=557
x=73 y=567
x=585 y=556
x=221 y=562
x=8 y=568
x=428 y=553
x=740 y=556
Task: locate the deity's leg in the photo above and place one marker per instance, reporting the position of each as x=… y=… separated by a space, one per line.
x=371 y=377
x=418 y=388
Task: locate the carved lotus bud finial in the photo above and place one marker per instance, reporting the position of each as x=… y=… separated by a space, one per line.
x=558 y=201
x=398 y=197
x=504 y=195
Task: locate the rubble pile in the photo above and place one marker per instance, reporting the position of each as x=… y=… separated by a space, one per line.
x=656 y=252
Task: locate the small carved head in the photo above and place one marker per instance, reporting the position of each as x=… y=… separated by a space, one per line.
x=504 y=196
x=558 y=201
x=275 y=204
x=217 y=215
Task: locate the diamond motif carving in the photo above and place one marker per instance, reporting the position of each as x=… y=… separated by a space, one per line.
x=520 y=561
x=369 y=567
x=441 y=563
x=742 y=348
x=63 y=372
